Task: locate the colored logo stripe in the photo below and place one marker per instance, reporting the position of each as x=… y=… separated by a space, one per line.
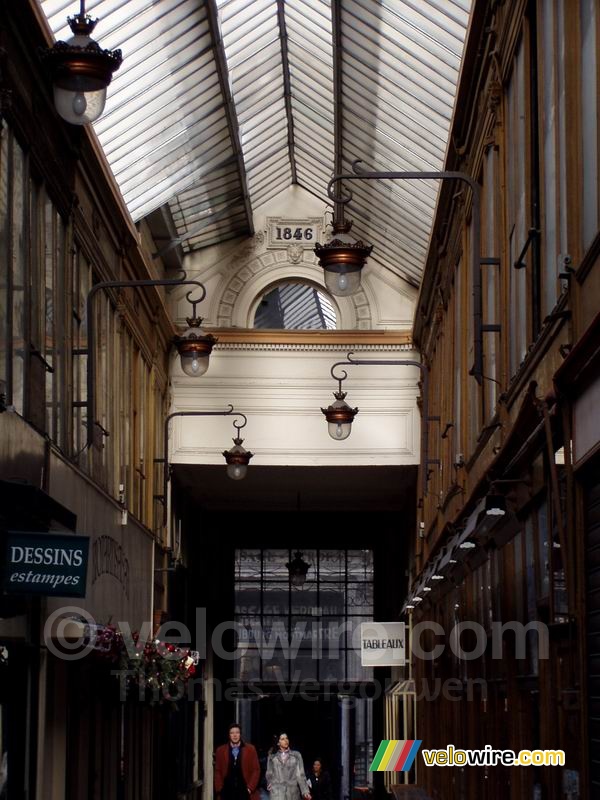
x=395 y=755
x=411 y=756
x=403 y=755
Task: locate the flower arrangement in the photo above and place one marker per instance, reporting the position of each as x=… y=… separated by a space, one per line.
x=161 y=667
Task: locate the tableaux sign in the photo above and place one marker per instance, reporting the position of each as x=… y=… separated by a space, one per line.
x=48 y=564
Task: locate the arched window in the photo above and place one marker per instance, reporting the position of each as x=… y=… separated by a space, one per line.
x=295 y=306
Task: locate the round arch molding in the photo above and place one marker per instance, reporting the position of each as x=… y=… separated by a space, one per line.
x=240 y=293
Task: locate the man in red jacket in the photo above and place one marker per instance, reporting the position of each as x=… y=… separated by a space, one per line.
x=237 y=771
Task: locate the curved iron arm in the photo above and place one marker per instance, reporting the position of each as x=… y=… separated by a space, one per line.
x=91 y=334
x=243 y=425
x=425 y=419
x=335 y=377
x=167 y=466
x=477 y=369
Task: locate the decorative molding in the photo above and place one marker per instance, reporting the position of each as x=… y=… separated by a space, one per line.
x=337 y=338
x=250 y=274
x=295 y=253
x=301 y=347
x=272 y=453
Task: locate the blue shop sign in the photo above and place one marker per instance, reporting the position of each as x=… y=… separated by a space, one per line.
x=46 y=563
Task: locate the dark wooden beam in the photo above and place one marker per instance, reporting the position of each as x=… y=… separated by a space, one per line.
x=336 y=27
x=287 y=89
x=232 y=120
x=338 y=107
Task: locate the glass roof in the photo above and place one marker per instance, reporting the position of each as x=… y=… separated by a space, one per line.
x=221 y=104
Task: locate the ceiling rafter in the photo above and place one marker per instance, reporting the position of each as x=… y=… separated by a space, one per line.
x=232 y=121
x=287 y=89
x=338 y=122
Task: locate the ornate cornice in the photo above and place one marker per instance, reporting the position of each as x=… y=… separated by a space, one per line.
x=308 y=346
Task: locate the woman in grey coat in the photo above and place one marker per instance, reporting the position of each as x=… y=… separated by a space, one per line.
x=285 y=773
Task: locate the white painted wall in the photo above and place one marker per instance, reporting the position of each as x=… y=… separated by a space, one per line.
x=282 y=387
x=282 y=390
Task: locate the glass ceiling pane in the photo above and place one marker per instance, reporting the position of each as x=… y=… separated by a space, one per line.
x=166 y=130
x=252 y=42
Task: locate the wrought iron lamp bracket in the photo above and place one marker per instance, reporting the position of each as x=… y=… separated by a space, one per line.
x=91 y=333
x=402 y=362
x=339 y=199
x=165 y=459
x=239 y=426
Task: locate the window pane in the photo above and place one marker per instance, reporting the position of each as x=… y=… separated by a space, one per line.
x=516 y=195
x=4 y=266
x=589 y=127
x=353 y=632
x=272 y=634
x=332 y=633
x=332 y=667
x=549 y=134
x=355 y=671
x=304 y=599
x=491 y=277
x=247 y=599
x=360 y=598
x=360 y=565
x=276 y=598
x=247 y=668
x=274 y=562
x=304 y=666
x=276 y=668
x=332 y=599
x=247 y=564
x=331 y=565
x=294 y=306
x=19 y=253
x=302 y=630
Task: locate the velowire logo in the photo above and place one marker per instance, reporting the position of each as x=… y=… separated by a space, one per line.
x=395 y=755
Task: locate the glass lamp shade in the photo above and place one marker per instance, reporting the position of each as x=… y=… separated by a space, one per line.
x=78 y=107
x=194 y=347
x=342 y=283
x=339 y=430
x=194 y=364
x=339 y=417
x=342 y=260
x=237 y=458
x=236 y=472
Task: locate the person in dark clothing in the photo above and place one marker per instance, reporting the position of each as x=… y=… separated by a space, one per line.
x=237 y=771
x=319 y=781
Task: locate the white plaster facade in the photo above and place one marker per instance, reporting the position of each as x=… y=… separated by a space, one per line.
x=282 y=387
